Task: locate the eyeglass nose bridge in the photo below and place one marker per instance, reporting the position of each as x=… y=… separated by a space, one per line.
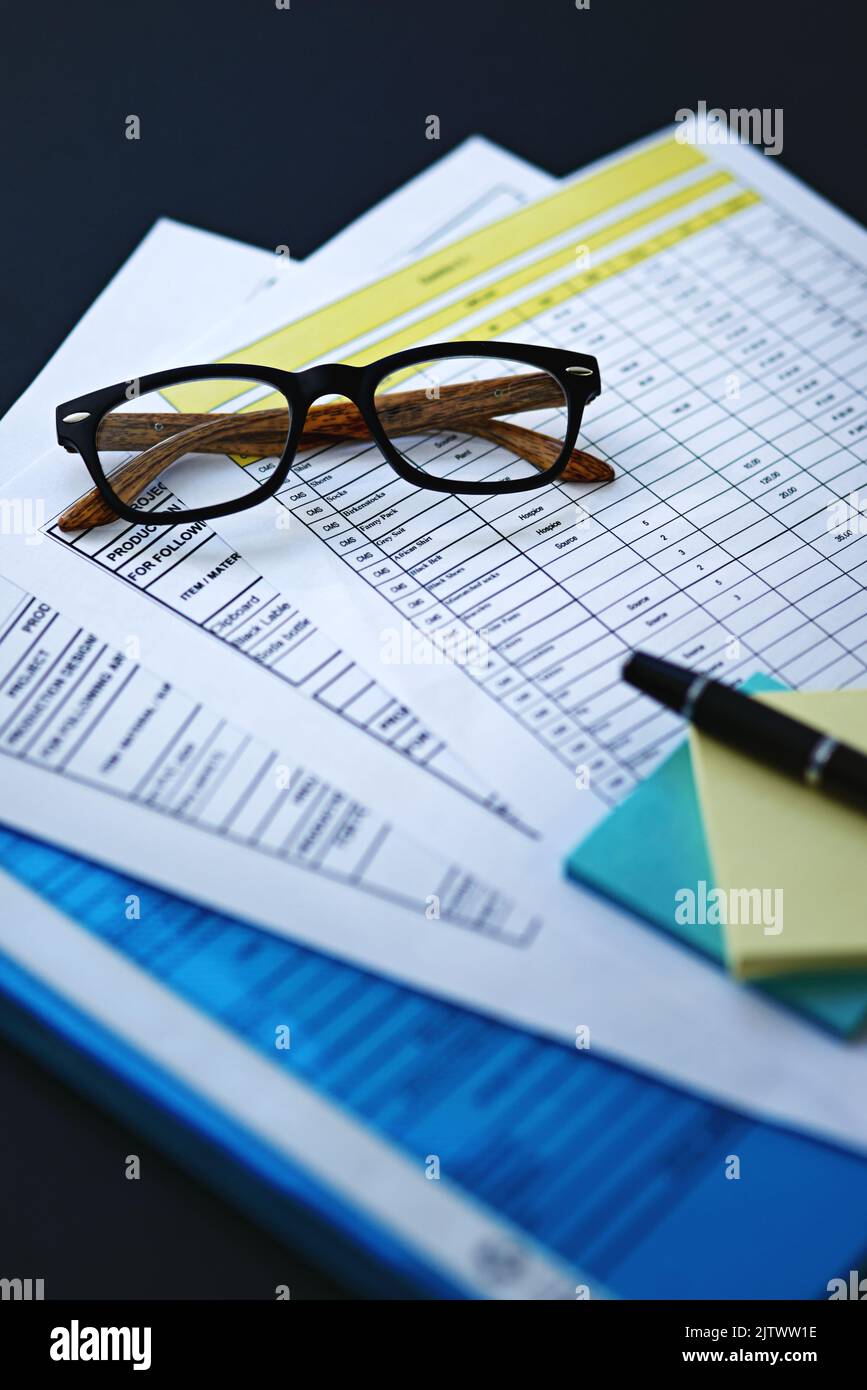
x=330 y=379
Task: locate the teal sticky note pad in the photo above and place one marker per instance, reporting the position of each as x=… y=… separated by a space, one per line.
x=653 y=844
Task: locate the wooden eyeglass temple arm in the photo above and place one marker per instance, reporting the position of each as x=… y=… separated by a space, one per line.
x=259 y=434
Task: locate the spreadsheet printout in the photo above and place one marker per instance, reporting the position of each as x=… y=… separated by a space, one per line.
x=727 y=307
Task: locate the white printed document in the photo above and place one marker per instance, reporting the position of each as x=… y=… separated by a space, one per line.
x=75 y=707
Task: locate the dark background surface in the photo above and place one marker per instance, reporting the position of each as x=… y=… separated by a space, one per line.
x=278 y=127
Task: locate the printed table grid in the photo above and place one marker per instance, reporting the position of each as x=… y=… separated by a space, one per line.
x=698 y=550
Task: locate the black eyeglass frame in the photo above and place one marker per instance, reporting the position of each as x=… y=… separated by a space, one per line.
x=577 y=374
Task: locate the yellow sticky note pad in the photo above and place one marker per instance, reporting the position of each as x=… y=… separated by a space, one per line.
x=791 y=863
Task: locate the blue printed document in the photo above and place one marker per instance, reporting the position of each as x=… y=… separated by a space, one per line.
x=460 y=1155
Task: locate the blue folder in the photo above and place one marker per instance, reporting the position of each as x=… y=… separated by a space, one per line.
x=616 y=1173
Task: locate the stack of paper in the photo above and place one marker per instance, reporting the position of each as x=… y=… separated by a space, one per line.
x=139 y=728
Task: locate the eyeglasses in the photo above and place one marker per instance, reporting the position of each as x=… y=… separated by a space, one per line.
x=451 y=431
